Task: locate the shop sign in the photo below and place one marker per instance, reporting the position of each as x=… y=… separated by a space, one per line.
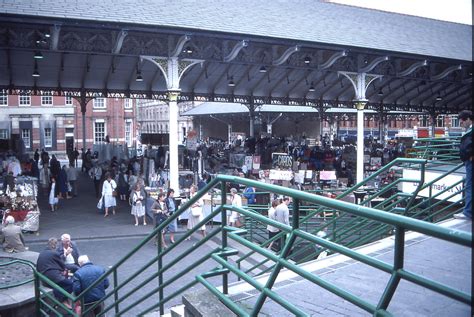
x=439 y=186
x=281 y=175
x=282 y=160
x=256 y=163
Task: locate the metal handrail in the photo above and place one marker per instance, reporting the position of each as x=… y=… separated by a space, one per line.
x=220 y=255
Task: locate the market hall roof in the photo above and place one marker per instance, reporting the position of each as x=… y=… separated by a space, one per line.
x=283 y=49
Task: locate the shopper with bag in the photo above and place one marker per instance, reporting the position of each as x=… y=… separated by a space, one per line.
x=108 y=189
x=161 y=214
x=138 y=207
x=196 y=214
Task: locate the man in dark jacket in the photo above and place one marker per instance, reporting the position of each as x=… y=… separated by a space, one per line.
x=465 y=153
x=49 y=263
x=86 y=276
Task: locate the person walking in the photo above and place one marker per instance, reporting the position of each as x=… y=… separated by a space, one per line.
x=108 y=189
x=44 y=180
x=138 y=208
x=72 y=179
x=53 y=194
x=85 y=276
x=36 y=156
x=196 y=215
x=96 y=174
x=161 y=214
x=236 y=201
x=273 y=231
x=122 y=185
x=465 y=153
x=62 y=183
x=282 y=215
x=172 y=206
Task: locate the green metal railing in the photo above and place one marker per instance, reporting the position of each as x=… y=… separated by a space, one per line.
x=158 y=270
x=442 y=149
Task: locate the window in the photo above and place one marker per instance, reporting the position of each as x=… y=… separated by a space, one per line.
x=47 y=99
x=48 y=137
x=424 y=121
x=440 y=121
x=3 y=100
x=127 y=103
x=128 y=132
x=99 y=131
x=26 y=137
x=99 y=103
x=68 y=100
x=25 y=100
x=4 y=134
x=454 y=121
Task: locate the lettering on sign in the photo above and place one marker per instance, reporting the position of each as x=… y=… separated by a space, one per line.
x=282 y=160
x=439 y=188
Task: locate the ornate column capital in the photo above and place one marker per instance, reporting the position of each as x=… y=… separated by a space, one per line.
x=173 y=95
x=360 y=104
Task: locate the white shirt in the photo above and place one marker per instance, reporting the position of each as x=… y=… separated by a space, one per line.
x=272 y=216
x=108 y=187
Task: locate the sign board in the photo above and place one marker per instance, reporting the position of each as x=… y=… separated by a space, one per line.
x=439 y=186
x=192 y=140
x=376 y=161
x=281 y=175
x=327 y=175
x=256 y=163
x=248 y=162
x=282 y=160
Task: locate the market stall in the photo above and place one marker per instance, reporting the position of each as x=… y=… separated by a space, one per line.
x=21 y=203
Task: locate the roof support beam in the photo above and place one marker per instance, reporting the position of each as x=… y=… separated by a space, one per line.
x=446 y=72
x=284 y=57
x=179 y=46
x=119 y=41
x=374 y=64
x=235 y=50
x=412 y=68
x=331 y=60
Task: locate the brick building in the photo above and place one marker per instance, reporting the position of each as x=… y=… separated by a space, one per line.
x=55 y=122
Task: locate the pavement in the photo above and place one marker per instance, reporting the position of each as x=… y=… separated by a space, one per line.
x=80 y=218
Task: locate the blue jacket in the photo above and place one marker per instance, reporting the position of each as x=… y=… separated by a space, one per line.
x=87 y=275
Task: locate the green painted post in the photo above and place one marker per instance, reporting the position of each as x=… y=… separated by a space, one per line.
x=37 y=295
x=225 y=277
x=398 y=260
x=116 y=305
x=160 y=270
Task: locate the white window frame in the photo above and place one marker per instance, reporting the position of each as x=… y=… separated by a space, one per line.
x=47 y=99
x=455 y=122
x=68 y=101
x=48 y=137
x=26 y=137
x=3 y=100
x=98 y=139
x=4 y=134
x=127 y=103
x=440 y=123
x=128 y=132
x=99 y=103
x=24 y=100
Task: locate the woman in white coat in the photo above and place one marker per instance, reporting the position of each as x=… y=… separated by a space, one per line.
x=108 y=189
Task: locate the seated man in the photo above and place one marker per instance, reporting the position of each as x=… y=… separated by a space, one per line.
x=87 y=274
x=69 y=253
x=49 y=264
x=13 y=240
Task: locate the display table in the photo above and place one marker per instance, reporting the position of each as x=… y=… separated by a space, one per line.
x=28 y=220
